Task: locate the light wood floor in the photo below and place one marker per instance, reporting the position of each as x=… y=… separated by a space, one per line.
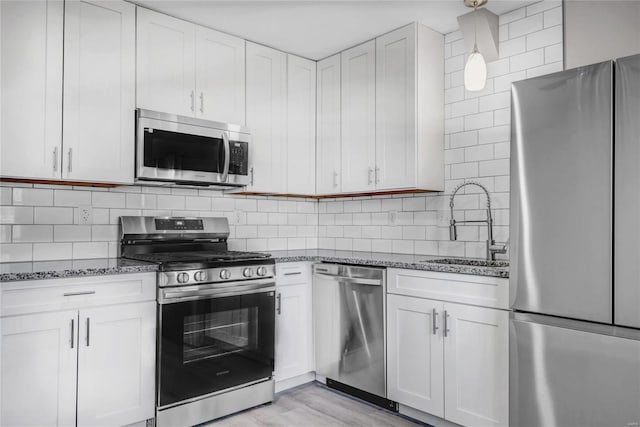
x=314 y=405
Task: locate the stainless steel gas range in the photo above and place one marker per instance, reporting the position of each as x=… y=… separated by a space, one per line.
x=216 y=317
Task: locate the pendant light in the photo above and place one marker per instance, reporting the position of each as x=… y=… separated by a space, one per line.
x=475 y=70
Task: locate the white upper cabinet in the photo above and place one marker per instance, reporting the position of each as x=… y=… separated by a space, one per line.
x=220 y=74
x=99 y=91
x=328 y=171
x=358 y=118
x=31 y=87
x=189 y=70
x=301 y=125
x=409 y=109
x=266 y=118
x=165 y=63
x=396 y=109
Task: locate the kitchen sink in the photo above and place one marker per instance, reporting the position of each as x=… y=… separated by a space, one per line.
x=469 y=262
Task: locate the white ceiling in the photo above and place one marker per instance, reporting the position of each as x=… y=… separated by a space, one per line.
x=317 y=29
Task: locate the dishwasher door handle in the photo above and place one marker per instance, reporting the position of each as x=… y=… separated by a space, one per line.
x=352 y=280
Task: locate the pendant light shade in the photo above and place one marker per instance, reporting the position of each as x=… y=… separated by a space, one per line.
x=475 y=71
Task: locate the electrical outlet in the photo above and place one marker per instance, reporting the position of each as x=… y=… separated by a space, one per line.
x=85 y=215
x=393 y=217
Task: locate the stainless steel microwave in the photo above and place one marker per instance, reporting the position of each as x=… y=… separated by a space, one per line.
x=190 y=151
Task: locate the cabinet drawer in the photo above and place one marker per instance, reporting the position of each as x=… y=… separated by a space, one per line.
x=60 y=294
x=463 y=288
x=293 y=273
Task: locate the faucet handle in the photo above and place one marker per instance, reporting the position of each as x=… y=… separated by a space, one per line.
x=453 y=231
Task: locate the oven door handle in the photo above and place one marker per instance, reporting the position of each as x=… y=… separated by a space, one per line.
x=185 y=293
x=227 y=150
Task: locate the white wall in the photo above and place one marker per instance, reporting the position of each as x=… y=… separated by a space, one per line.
x=597 y=31
x=477 y=139
x=39 y=222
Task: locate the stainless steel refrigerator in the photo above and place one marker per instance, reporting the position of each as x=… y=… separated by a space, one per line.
x=575 y=255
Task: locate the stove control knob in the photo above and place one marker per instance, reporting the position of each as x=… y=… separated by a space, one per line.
x=247 y=272
x=225 y=274
x=183 y=277
x=262 y=271
x=200 y=276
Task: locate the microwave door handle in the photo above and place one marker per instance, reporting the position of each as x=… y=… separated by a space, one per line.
x=225 y=174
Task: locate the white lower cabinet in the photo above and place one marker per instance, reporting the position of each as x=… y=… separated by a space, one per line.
x=89 y=365
x=449 y=360
x=39 y=359
x=115 y=385
x=294 y=328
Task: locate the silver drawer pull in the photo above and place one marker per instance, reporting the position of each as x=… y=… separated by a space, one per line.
x=73 y=332
x=293 y=274
x=88 y=331
x=73 y=294
x=434 y=318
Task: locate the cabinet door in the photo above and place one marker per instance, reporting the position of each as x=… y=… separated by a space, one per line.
x=165 y=63
x=266 y=118
x=396 y=109
x=414 y=353
x=39 y=361
x=301 y=125
x=328 y=173
x=294 y=331
x=31 y=87
x=358 y=117
x=116 y=366
x=99 y=91
x=476 y=352
x=220 y=76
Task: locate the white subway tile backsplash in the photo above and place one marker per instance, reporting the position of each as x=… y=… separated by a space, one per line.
x=454 y=63
x=464 y=139
x=544 y=69
x=53 y=215
x=104 y=233
x=16 y=252
x=52 y=251
x=511 y=16
x=478 y=152
x=541 y=6
x=530 y=59
x=71 y=198
x=494 y=134
x=16 y=215
x=5 y=234
x=32 y=197
x=5 y=195
x=463 y=108
x=526 y=25
x=553 y=53
x=140 y=201
x=72 y=233
x=544 y=38
x=553 y=17
x=32 y=233
x=170 y=201
x=512 y=47
x=108 y=200
x=502 y=117
x=502 y=83
x=87 y=250
x=464 y=170
x=478 y=121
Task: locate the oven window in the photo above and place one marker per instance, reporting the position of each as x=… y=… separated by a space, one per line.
x=214 y=344
x=219 y=334
x=179 y=151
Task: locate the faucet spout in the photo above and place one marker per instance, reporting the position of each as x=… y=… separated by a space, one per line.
x=453 y=234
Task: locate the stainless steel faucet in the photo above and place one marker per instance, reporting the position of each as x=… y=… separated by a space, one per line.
x=492 y=249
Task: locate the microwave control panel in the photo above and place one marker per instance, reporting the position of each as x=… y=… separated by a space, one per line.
x=239 y=158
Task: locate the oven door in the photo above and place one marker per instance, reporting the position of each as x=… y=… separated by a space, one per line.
x=213 y=344
x=186 y=152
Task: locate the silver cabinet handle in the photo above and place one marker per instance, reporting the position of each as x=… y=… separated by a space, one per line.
x=202 y=102
x=335 y=179
x=55 y=159
x=251 y=171
x=193 y=101
x=88 y=331
x=434 y=317
x=227 y=153
x=377 y=175
x=73 y=294
x=446 y=323
x=70 y=160
x=279 y=303
x=369 y=177
x=73 y=332
x=293 y=274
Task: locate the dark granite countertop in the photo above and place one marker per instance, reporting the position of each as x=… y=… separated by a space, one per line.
x=413 y=262
x=15 y=271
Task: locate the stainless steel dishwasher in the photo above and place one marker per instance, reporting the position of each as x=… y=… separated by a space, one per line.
x=349 y=316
